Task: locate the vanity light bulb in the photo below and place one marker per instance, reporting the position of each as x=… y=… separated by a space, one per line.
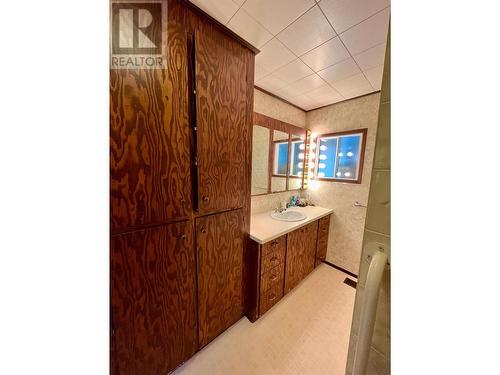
x=347 y=174
x=299 y=165
x=321 y=174
x=350 y=154
x=323 y=148
x=322 y=157
x=338 y=174
x=302 y=146
x=321 y=165
x=301 y=156
x=341 y=154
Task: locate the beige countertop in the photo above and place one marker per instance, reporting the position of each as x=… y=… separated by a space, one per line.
x=263 y=228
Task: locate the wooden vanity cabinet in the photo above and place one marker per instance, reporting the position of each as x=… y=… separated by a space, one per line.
x=301 y=252
x=277 y=266
x=322 y=244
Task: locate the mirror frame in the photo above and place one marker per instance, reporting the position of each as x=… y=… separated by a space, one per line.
x=275 y=124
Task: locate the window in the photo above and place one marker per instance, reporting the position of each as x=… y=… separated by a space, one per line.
x=339 y=156
x=280 y=157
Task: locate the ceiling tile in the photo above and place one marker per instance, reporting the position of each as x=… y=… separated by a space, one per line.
x=303 y=101
x=324 y=94
x=275 y=15
x=308 y=32
x=353 y=86
x=239 y=2
x=346 y=13
x=288 y=93
x=372 y=57
x=340 y=71
x=274 y=55
x=327 y=54
x=374 y=75
x=221 y=10
x=308 y=83
x=260 y=72
x=249 y=29
x=293 y=71
x=367 y=34
x=271 y=83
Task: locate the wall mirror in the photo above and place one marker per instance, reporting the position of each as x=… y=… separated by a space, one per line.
x=278 y=156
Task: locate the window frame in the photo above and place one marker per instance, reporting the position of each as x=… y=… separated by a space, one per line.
x=363 y=132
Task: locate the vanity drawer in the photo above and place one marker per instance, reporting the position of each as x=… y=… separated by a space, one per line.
x=270 y=298
x=278 y=244
x=272 y=278
x=272 y=259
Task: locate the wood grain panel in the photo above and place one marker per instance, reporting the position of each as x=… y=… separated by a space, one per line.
x=322 y=243
x=220 y=240
x=300 y=255
x=221 y=93
x=293 y=265
x=149 y=142
x=272 y=277
x=153 y=299
x=269 y=298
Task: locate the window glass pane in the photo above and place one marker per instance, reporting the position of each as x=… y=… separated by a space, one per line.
x=348 y=155
x=326 y=157
x=281 y=158
x=296 y=162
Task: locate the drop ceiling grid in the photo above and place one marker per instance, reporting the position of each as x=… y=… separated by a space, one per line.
x=365 y=13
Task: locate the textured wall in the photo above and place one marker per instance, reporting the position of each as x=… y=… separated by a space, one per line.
x=272 y=107
x=378 y=229
x=347 y=224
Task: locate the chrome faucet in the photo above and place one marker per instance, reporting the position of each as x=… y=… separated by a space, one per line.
x=280 y=208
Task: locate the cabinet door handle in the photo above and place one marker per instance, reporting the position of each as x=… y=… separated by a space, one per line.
x=203 y=230
x=272 y=298
x=183 y=237
x=205 y=199
x=274 y=243
x=274 y=277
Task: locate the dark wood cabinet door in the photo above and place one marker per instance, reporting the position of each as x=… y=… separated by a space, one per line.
x=293 y=262
x=153 y=299
x=322 y=242
x=219 y=241
x=222 y=120
x=309 y=255
x=149 y=141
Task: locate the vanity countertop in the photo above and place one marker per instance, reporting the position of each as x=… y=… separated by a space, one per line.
x=263 y=228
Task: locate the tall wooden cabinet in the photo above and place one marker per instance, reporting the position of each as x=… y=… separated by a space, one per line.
x=221 y=112
x=180 y=149
x=219 y=242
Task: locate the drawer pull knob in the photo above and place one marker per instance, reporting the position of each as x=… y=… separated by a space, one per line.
x=203 y=230
x=206 y=199
x=274 y=277
x=183 y=237
x=272 y=298
x=274 y=243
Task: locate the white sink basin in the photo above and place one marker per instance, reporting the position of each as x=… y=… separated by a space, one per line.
x=288 y=216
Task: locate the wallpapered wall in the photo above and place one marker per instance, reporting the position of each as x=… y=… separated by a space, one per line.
x=347 y=224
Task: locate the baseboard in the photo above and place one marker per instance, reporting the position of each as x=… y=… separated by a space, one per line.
x=341 y=269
